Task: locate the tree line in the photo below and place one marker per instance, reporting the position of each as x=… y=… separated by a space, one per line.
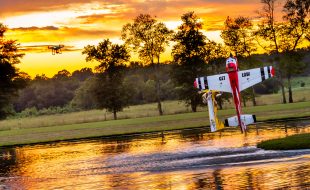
x=117 y=82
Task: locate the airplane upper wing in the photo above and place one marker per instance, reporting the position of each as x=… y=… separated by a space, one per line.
x=215 y=82
x=248 y=78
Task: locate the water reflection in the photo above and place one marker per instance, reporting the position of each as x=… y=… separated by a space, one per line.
x=188 y=159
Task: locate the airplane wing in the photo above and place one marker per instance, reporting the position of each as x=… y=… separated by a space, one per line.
x=248 y=78
x=215 y=82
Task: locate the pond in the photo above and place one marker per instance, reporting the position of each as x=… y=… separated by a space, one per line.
x=184 y=159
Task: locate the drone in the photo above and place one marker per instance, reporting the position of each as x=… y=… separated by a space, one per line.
x=56 y=49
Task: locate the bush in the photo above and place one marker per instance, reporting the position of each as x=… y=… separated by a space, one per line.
x=29 y=112
x=33 y=111
x=302 y=84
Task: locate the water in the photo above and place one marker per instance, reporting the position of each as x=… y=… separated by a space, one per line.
x=188 y=159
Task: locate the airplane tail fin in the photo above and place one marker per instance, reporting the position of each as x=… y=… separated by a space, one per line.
x=246 y=119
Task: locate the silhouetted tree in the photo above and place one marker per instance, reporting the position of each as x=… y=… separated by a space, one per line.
x=62 y=75
x=269 y=37
x=111 y=93
x=189 y=56
x=149 y=38
x=237 y=35
x=10 y=78
x=83 y=74
x=292 y=64
x=308 y=37
x=297 y=16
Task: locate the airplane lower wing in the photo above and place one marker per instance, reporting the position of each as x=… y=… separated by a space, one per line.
x=248 y=78
x=215 y=82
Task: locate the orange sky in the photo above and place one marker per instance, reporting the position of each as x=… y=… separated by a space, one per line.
x=77 y=23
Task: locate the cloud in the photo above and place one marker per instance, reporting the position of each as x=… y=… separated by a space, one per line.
x=78 y=32
x=33 y=28
x=100 y=18
x=104 y=19
x=56 y=35
x=17 y=7
x=63 y=30
x=230 y=1
x=147 y=6
x=22 y=6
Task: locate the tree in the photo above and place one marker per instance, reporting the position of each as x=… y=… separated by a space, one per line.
x=189 y=56
x=82 y=96
x=83 y=74
x=297 y=16
x=308 y=36
x=10 y=77
x=292 y=64
x=237 y=35
x=269 y=33
x=149 y=38
x=62 y=75
x=295 y=32
x=110 y=92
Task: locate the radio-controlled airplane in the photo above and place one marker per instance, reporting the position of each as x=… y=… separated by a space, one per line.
x=234 y=81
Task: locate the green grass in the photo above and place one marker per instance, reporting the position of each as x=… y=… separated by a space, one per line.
x=296 y=82
x=142 y=118
x=138 y=111
x=299 y=141
x=26 y=134
x=150 y=110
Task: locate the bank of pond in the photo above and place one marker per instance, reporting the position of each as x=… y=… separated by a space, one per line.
x=298 y=141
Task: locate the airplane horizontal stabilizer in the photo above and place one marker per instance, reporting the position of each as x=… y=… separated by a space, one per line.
x=246 y=119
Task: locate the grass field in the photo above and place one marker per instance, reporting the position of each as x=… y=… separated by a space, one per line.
x=147 y=110
x=299 y=141
x=296 y=82
x=143 y=118
x=25 y=134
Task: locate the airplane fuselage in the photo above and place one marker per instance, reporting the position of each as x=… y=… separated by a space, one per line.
x=234 y=83
x=232 y=71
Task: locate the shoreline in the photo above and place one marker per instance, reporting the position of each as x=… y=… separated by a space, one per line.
x=158 y=132
x=292 y=142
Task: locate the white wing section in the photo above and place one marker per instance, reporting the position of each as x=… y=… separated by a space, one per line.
x=219 y=82
x=248 y=78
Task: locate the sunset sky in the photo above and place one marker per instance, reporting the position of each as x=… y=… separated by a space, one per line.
x=77 y=23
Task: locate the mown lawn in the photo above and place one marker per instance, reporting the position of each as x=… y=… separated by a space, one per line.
x=25 y=134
